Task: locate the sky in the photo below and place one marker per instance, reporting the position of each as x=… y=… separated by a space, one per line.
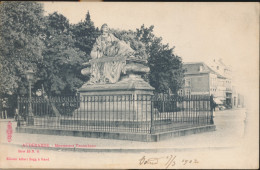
x=200 y=32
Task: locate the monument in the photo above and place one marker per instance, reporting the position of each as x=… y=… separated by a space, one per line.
x=115 y=76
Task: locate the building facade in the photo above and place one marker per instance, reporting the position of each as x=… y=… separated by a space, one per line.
x=225 y=80
x=200 y=79
x=211 y=78
x=237 y=98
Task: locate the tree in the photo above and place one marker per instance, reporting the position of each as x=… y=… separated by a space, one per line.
x=20 y=45
x=61 y=64
x=85 y=35
x=165 y=68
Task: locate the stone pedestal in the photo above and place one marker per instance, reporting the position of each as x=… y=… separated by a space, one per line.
x=127 y=100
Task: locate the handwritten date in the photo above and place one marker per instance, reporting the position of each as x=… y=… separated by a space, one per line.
x=167 y=161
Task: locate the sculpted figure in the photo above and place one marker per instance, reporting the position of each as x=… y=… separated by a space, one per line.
x=107 y=46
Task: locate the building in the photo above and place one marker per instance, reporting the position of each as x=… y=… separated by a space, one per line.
x=234 y=97
x=240 y=100
x=237 y=98
x=200 y=79
x=225 y=80
x=204 y=79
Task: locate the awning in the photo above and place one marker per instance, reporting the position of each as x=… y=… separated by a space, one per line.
x=218 y=101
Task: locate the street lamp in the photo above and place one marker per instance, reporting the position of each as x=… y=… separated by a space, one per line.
x=30 y=76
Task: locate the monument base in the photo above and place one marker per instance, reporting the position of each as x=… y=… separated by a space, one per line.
x=126 y=100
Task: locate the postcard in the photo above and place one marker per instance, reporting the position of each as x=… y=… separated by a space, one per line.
x=122 y=85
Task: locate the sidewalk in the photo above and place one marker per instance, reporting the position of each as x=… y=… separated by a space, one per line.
x=222 y=138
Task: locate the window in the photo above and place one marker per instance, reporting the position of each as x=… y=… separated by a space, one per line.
x=187 y=92
x=180 y=92
x=187 y=82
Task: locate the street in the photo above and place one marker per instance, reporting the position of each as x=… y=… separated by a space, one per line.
x=220 y=145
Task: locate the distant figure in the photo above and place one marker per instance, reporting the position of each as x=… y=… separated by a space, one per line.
x=107 y=45
x=16 y=115
x=214 y=108
x=4 y=112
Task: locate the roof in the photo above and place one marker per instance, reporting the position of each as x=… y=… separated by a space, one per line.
x=194 y=68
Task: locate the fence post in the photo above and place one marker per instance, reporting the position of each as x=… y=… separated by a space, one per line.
x=18 y=112
x=152 y=116
x=212 y=105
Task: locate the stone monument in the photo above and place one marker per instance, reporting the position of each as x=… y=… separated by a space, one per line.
x=114 y=71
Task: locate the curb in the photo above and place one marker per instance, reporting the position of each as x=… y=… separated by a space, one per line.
x=119 y=135
x=123 y=150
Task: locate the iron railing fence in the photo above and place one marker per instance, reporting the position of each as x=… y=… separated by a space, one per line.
x=140 y=113
x=174 y=112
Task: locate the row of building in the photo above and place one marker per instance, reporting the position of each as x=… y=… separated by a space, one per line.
x=213 y=78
